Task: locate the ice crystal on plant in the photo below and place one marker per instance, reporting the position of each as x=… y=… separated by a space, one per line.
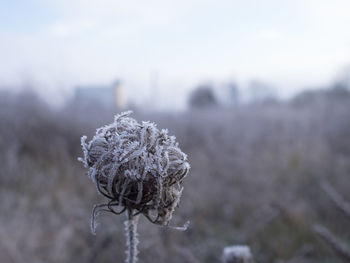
x=136 y=166
x=237 y=254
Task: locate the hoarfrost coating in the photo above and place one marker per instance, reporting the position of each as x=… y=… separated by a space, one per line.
x=237 y=254
x=137 y=167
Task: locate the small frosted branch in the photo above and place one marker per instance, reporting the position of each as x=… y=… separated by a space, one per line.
x=180 y=228
x=337 y=199
x=131 y=237
x=337 y=245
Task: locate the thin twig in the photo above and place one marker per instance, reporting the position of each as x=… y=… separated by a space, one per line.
x=337 y=245
x=338 y=200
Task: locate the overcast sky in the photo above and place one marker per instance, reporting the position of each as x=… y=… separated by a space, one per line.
x=61 y=43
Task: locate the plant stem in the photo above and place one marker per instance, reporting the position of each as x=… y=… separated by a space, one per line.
x=131 y=237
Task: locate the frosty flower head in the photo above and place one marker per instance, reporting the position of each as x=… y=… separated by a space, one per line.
x=138 y=167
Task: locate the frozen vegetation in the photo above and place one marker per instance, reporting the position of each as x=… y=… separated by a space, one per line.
x=256 y=178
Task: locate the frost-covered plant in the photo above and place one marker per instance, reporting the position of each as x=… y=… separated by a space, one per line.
x=237 y=254
x=139 y=169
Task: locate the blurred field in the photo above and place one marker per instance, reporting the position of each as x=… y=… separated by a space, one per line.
x=255 y=179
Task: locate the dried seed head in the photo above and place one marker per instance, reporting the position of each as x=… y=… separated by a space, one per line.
x=137 y=167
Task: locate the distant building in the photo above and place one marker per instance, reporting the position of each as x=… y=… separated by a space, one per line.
x=110 y=96
x=261 y=92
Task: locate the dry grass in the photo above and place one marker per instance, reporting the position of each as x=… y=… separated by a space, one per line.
x=254 y=179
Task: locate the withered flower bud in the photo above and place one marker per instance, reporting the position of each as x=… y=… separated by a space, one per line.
x=137 y=167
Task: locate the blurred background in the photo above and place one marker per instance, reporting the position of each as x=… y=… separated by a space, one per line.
x=256 y=92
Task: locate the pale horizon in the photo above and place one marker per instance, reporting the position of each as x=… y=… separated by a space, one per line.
x=56 y=45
